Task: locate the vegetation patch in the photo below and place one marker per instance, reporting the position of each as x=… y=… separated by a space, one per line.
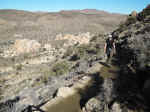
x=86 y=51
x=60 y=68
x=18 y=67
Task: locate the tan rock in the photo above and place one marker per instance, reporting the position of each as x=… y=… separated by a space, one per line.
x=65 y=92
x=26 y=46
x=48 y=47
x=134 y=14
x=83 y=38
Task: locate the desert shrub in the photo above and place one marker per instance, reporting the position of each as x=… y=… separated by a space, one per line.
x=76 y=51
x=81 y=50
x=122 y=27
x=60 y=68
x=130 y=20
x=18 y=67
x=69 y=52
x=144 y=13
x=26 y=55
x=97 y=38
x=45 y=77
x=86 y=51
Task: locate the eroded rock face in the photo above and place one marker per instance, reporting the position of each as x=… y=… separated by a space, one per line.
x=26 y=46
x=83 y=38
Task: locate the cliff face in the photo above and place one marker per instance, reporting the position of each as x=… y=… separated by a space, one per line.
x=133 y=55
x=133 y=36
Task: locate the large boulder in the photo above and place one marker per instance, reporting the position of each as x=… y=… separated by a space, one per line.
x=65 y=92
x=134 y=14
x=26 y=46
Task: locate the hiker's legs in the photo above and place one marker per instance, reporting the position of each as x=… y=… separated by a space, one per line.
x=111 y=53
x=108 y=55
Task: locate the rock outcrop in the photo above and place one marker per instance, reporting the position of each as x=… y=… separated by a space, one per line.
x=83 y=38
x=26 y=46
x=134 y=14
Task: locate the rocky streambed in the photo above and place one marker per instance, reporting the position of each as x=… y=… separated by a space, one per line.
x=91 y=93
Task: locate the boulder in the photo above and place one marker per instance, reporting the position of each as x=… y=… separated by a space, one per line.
x=65 y=92
x=83 y=38
x=93 y=105
x=134 y=14
x=26 y=46
x=116 y=107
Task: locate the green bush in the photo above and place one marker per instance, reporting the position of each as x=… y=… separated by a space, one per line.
x=69 y=52
x=130 y=20
x=124 y=25
x=81 y=50
x=144 y=13
x=60 y=68
x=18 y=67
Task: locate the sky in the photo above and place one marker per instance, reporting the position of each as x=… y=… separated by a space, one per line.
x=117 y=6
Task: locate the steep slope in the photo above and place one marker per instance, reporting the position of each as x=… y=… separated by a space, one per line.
x=133 y=54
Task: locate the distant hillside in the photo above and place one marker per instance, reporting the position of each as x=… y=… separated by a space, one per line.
x=37 y=25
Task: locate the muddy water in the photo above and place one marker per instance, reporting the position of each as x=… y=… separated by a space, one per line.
x=69 y=104
x=68 y=99
x=109 y=71
x=72 y=102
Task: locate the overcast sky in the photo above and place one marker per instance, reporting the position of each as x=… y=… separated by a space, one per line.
x=119 y=6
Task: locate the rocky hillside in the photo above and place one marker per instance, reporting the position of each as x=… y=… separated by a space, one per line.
x=133 y=44
x=45 y=26
x=133 y=39
x=73 y=75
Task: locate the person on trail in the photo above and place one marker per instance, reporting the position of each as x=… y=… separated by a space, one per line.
x=109 y=48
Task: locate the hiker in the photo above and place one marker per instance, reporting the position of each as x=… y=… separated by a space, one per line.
x=109 y=48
